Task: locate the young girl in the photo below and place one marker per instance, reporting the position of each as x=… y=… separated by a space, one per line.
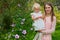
x=38 y=21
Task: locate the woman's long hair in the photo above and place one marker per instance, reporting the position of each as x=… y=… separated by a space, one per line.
x=52 y=12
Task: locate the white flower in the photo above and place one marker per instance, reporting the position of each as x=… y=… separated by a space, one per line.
x=23 y=19
x=12 y=30
x=22 y=22
x=13 y=25
x=19 y=5
x=31 y=28
x=24 y=32
x=16 y=36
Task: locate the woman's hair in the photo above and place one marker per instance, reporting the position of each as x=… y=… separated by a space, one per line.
x=52 y=12
x=36 y=5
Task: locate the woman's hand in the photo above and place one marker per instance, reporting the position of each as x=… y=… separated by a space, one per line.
x=40 y=17
x=39 y=30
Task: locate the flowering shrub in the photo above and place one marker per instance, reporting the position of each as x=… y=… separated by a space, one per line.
x=18 y=20
x=21 y=29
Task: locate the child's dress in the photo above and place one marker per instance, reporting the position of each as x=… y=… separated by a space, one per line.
x=38 y=24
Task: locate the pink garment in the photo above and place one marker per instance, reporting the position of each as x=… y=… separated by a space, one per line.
x=49 y=28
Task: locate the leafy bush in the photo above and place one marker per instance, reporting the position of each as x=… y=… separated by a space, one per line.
x=16 y=23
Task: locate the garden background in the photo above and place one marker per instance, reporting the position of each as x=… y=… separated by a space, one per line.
x=16 y=22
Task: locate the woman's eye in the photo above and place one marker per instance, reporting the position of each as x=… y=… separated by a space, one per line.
x=45 y=7
x=48 y=7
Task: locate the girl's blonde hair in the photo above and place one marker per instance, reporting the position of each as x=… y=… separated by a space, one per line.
x=36 y=5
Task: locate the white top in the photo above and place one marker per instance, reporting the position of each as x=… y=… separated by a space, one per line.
x=39 y=23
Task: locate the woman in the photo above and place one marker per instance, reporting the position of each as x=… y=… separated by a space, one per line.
x=50 y=21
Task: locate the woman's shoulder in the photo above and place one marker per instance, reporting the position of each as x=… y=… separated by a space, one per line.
x=54 y=17
x=43 y=14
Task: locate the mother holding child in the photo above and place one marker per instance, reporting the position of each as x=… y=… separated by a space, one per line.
x=43 y=24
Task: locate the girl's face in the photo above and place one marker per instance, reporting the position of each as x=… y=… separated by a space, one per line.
x=48 y=9
x=36 y=10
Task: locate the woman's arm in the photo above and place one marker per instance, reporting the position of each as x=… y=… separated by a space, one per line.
x=52 y=27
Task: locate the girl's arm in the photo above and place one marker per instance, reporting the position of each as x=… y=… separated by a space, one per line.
x=33 y=17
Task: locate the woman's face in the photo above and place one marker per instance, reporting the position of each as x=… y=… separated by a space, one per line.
x=48 y=9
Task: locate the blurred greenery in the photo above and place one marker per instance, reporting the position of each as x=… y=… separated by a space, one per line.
x=15 y=17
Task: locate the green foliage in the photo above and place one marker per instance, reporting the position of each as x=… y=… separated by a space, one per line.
x=7 y=21
x=15 y=18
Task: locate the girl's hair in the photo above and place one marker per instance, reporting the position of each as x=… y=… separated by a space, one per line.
x=36 y=5
x=52 y=12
